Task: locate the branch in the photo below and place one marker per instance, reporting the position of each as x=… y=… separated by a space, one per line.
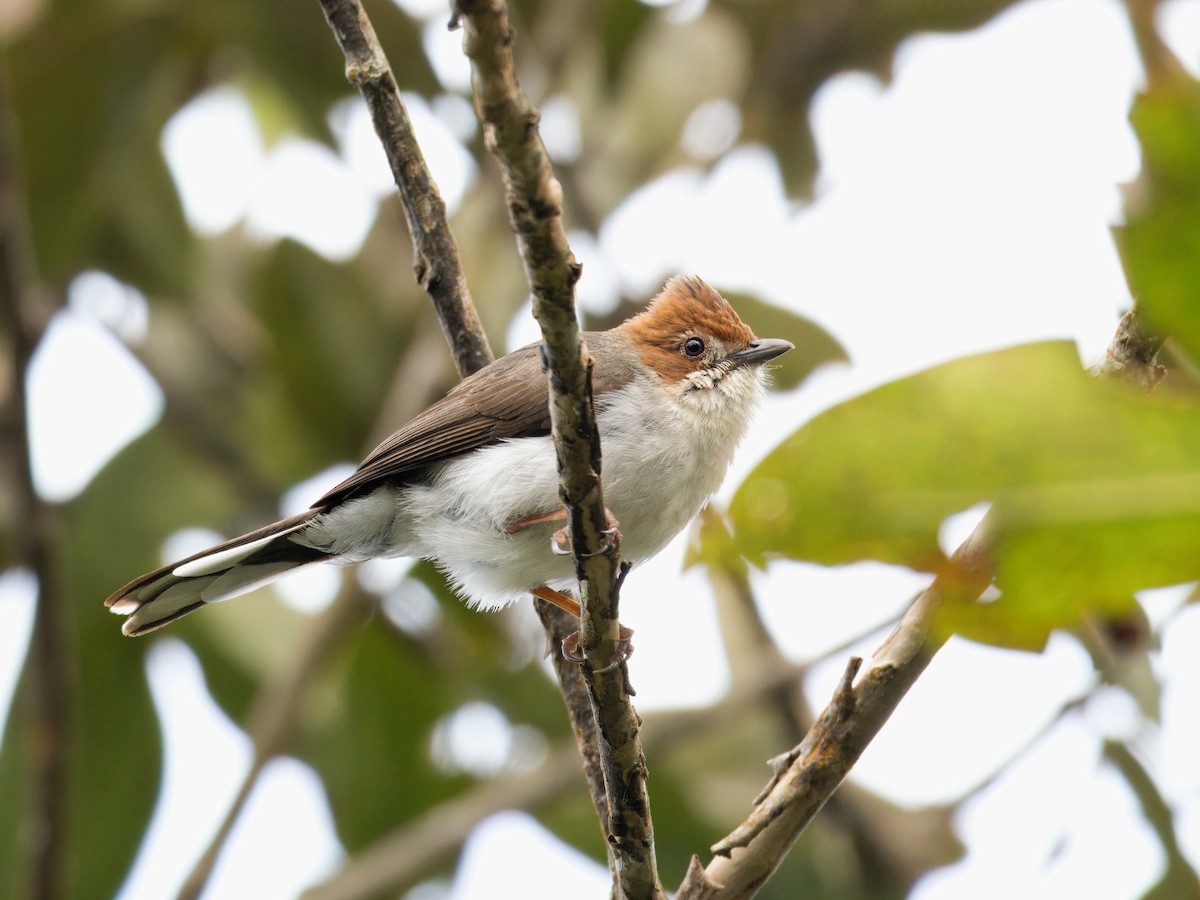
x=402 y=856
x=1161 y=65
x=45 y=853
x=437 y=264
x=806 y=776
x=1133 y=354
x=439 y=272
x=275 y=713
x=558 y=624
x=535 y=206
x=884 y=854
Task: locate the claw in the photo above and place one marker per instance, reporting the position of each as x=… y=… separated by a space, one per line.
x=572 y=652
x=560 y=541
x=570 y=644
x=570 y=648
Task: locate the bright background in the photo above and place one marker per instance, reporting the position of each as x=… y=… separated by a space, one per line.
x=962 y=207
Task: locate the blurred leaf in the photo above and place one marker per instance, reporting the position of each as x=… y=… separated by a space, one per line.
x=814 y=345
x=90 y=114
x=477 y=657
x=116 y=744
x=334 y=341
x=93 y=85
x=1159 y=242
x=711 y=543
x=1096 y=490
x=229 y=641
x=379 y=701
x=114 y=534
x=623 y=23
x=116 y=747
x=671 y=69
x=371 y=746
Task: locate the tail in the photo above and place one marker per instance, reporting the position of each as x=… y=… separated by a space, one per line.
x=218 y=573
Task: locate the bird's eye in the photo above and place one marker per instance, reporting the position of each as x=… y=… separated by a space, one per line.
x=693 y=347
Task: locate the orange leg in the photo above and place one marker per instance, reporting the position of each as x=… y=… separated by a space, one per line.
x=562 y=601
x=559 y=515
x=570 y=644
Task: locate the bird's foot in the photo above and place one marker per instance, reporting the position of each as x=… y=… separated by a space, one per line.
x=572 y=652
x=610 y=539
x=570 y=644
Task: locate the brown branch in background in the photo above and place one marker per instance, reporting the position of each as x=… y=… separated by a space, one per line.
x=1161 y=64
x=45 y=853
x=399 y=859
x=439 y=272
x=276 y=710
x=806 y=777
x=437 y=265
x=535 y=206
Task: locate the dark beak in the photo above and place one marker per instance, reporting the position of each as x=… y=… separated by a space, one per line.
x=760 y=350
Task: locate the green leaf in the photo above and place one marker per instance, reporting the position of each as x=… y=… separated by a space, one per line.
x=1095 y=489
x=15 y=766
x=333 y=347
x=371 y=744
x=91 y=101
x=1160 y=244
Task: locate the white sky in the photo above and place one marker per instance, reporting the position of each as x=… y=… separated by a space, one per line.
x=964 y=207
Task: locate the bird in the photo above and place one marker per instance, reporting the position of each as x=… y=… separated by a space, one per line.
x=472 y=482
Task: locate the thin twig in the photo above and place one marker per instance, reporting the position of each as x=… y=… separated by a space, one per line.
x=535 y=206
x=45 y=853
x=748 y=644
x=275 y=712
x=1161 y=65
x=1133 y=354
x=439 y=272
x=437 y=264
x=399 y=858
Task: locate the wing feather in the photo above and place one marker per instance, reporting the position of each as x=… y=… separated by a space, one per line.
x=511 y=402
x=507 y=399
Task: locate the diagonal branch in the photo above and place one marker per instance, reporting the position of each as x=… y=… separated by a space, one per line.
x=275 y=712
x=439 y=272
x=806 y=776
x=535 y=206
x=437 y=264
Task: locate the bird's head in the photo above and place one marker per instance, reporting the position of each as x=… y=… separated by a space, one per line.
x=695 y=342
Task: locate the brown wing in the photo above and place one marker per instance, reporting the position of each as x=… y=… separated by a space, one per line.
x=511 y=403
